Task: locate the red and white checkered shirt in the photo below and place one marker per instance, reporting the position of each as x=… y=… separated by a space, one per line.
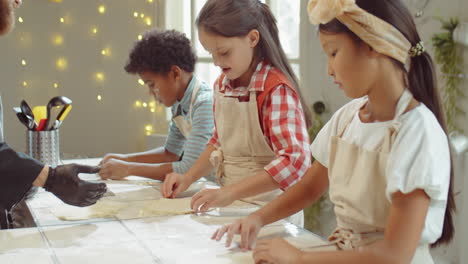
x=282 y=123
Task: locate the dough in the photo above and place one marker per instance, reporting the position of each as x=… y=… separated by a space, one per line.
x=124 y=210
x=102 y=209
x=165 y=206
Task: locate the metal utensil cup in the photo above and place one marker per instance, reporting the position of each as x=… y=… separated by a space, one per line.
x=44 y=146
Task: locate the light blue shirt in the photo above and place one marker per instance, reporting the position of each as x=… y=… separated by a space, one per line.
x=202 y=126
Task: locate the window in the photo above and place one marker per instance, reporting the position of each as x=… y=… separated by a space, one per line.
x=287 y=14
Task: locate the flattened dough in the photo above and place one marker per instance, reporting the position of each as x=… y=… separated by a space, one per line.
x=106 y=209
x=102 y=209
x=165 y=206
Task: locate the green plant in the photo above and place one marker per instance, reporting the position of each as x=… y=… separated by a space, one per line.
x=449 y=57
x=312 y=213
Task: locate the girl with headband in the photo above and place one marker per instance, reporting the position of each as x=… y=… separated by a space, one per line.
x=384 y=156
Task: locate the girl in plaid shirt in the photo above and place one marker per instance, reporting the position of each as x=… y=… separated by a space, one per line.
x=260 y=143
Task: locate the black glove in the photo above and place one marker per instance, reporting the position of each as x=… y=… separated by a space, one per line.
x=64 y=183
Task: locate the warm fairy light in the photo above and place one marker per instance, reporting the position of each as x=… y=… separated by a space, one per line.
x=150 y=1
x=148 y=129
x=138 y=103
x=20 y=19
x=152 y=104
x=94 y=30
x=148 y=21
x=142 y=15
x=100 y=76
x=152 y=110
x=56 y=85
x=135 y=14
x=57 y=40
x=140 y=37
x=23 y=62
x=141 y=82
x=61 y=63
x=99 y=97
x=106 y=52
x=62 y=20
x=145 y=105
x=25 y=84
x=102 y=9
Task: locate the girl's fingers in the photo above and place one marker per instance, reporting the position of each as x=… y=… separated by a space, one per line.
x=234 y=229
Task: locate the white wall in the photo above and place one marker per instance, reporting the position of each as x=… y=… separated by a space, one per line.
x=318 y=86
x=93 y=127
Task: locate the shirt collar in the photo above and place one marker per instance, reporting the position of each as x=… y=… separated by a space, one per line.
x=256 y=81
x=184 y=103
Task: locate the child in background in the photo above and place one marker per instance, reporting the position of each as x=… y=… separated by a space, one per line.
x=384 y=156
x=165 y=61
x=260 y=142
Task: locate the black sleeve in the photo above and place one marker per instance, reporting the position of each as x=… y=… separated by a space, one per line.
x=17 y=173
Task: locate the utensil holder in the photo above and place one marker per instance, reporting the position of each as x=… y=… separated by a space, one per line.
x=44 y=146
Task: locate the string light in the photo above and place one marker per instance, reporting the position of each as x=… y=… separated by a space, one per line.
x=25 y=84
x=137 y=103
x=142 y=15
x=61 y=64
x=152 y=104
x=148 y=21
x=100 y=76
x=20 y=19
x=94 y=30
x=145 y=105
x=99 y=97
x=150 y=1
x=106 y=52
x=148 y=129
x=57 y=40
x=102 y=9
x=135 y=14
x=141 y=82
x=62 y=20
x=140 y=37
x=23 y=62
x=56 y=85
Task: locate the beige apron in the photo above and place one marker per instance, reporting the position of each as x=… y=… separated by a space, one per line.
x=357 y=187
x=245 y=151
x=185 y=126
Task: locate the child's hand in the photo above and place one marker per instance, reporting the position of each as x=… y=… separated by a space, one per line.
x=114 y=169
x=248 y=228
x=116 y=156
x=209 y=198
x=276 y=251
x=175 y=183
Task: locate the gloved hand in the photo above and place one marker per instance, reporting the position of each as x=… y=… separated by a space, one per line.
x=64 y=183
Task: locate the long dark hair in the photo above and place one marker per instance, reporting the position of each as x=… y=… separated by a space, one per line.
x=422 y=81
x=236 y=18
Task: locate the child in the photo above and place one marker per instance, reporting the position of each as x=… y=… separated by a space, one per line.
x=165 y=61
x=385 y=155
x=260 y=139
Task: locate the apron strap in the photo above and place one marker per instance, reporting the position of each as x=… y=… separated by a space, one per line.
x=348 y=117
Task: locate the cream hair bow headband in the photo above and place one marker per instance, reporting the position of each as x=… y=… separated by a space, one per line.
x=377 y=33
